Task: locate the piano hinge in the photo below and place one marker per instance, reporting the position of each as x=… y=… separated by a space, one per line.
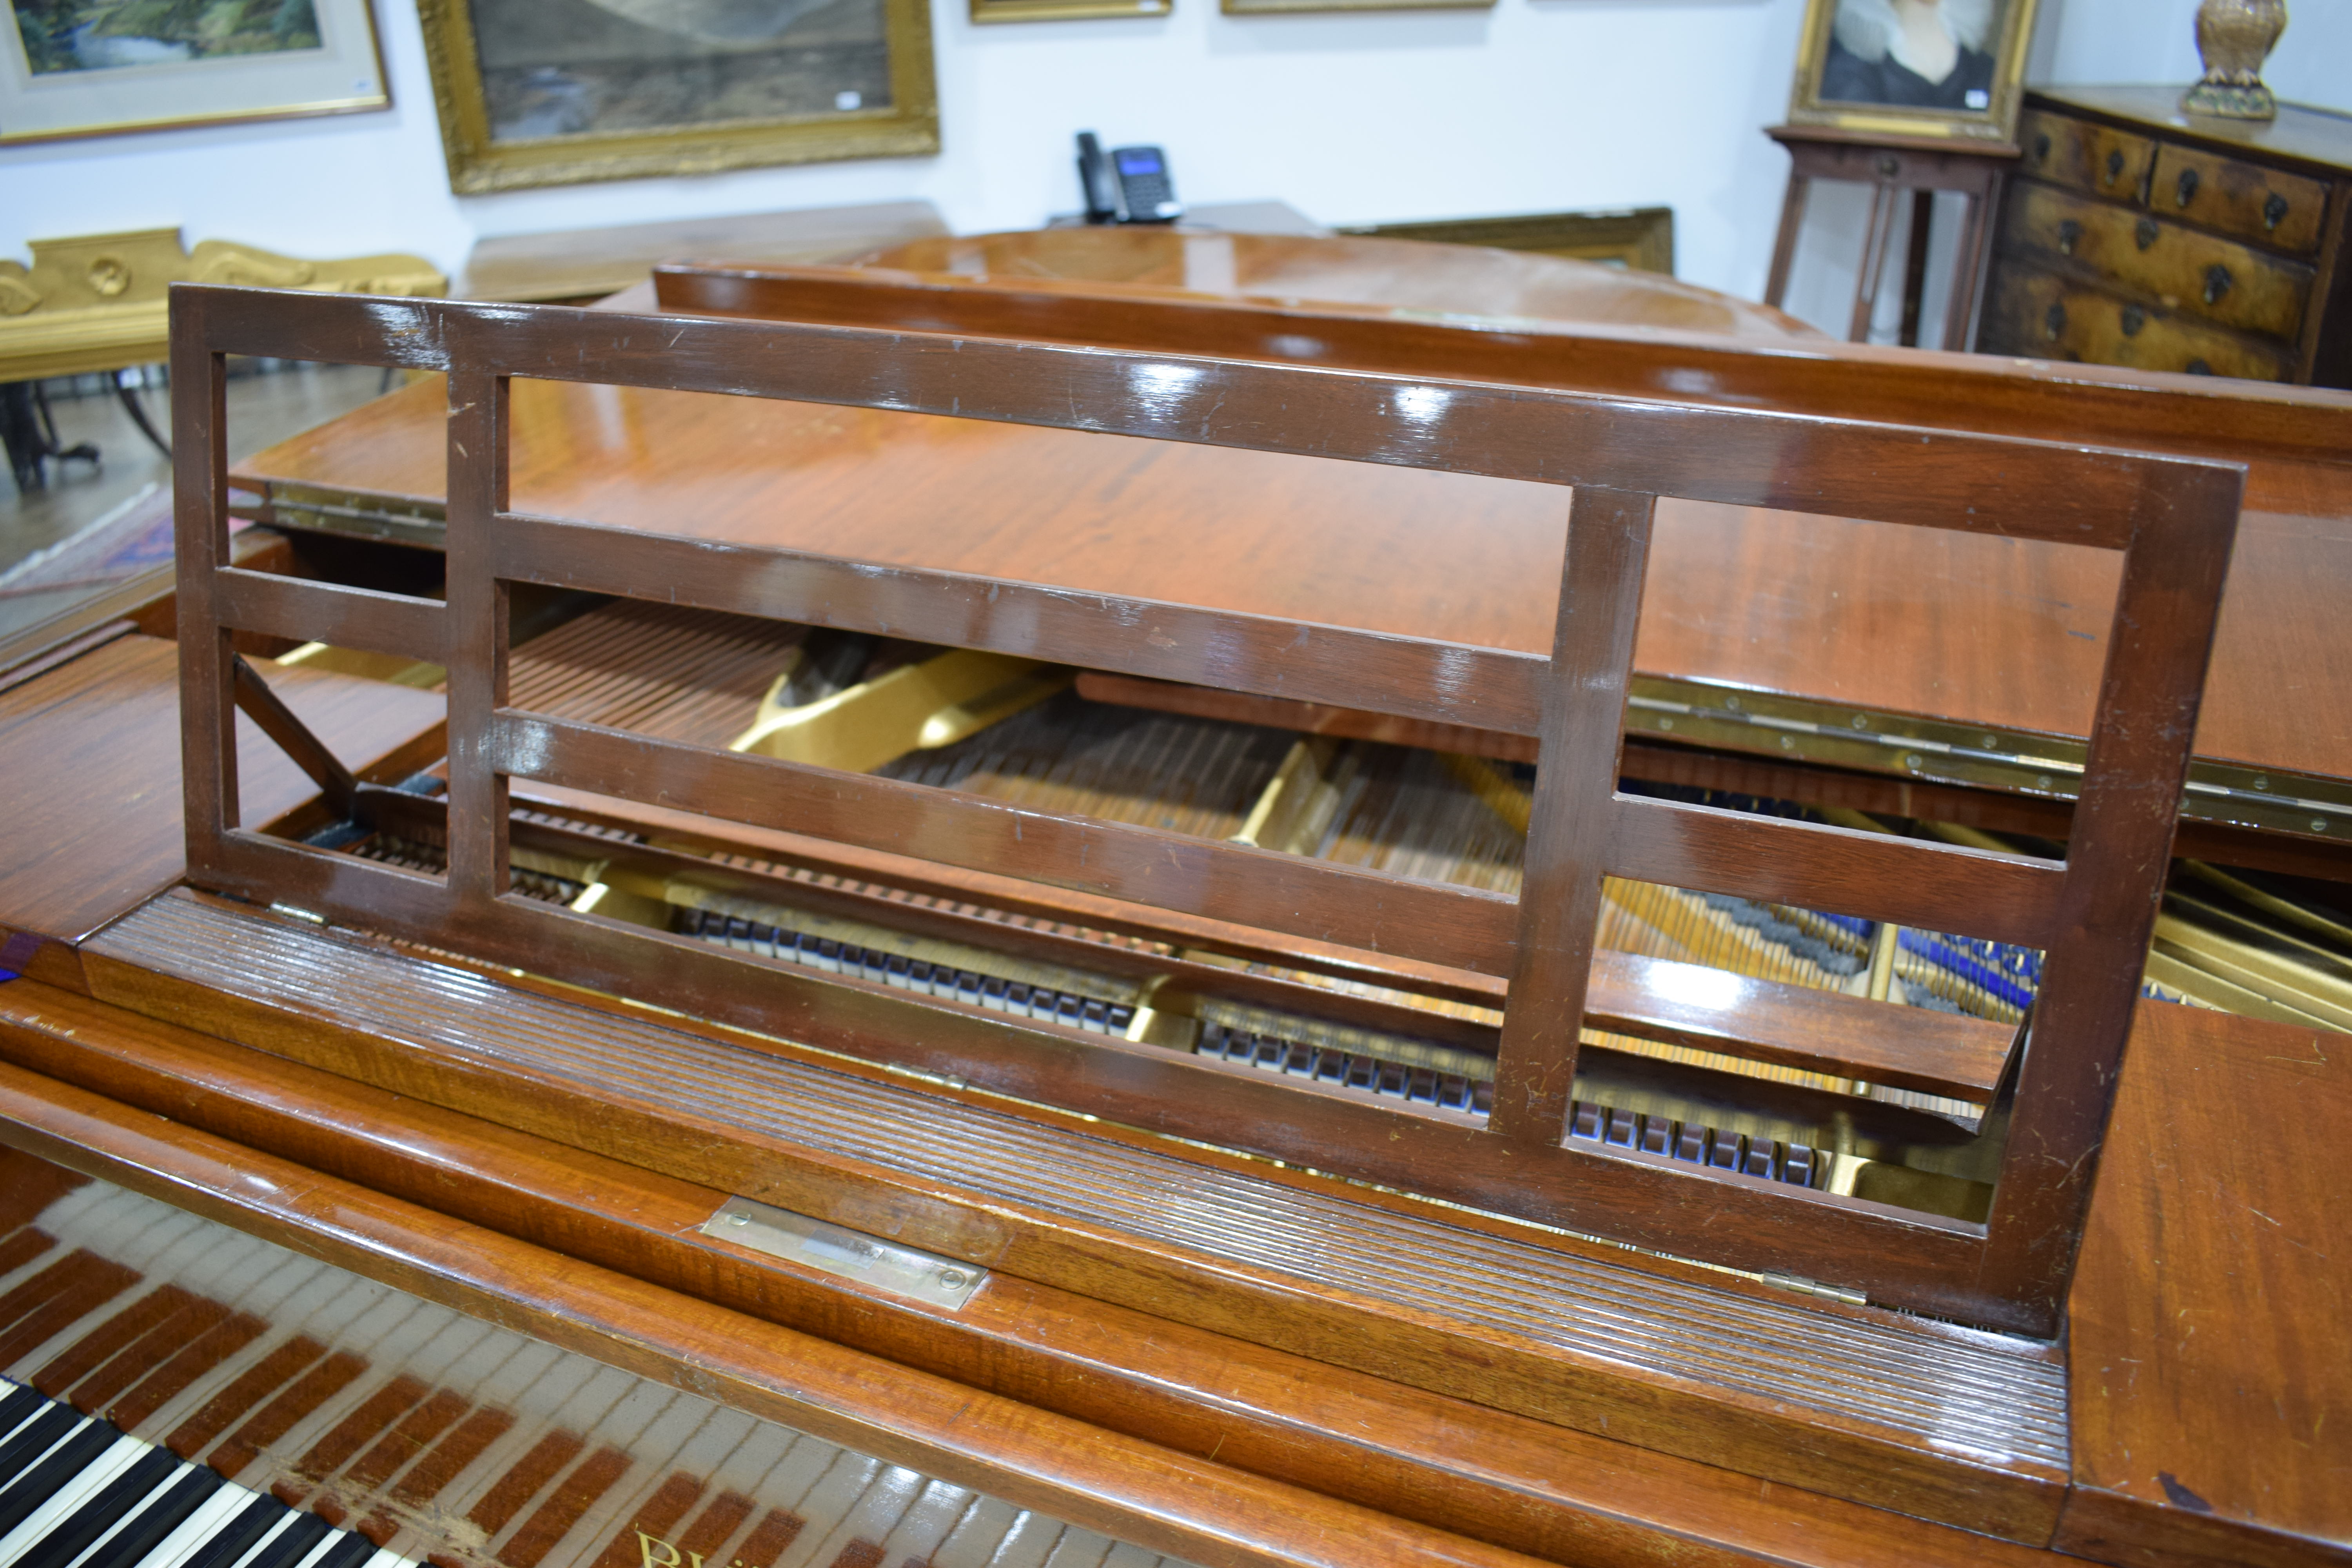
x=1804 y=1287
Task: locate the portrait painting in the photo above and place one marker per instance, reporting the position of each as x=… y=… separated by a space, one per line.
x=1947 y=67
x=554 y=91
x=87 y=68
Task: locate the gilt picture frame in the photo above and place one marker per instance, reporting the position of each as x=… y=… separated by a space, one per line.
x=1935 y=69
x=551 y=92
x=71 y=68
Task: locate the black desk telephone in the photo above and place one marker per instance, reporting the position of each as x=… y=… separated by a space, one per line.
x=1127 y=184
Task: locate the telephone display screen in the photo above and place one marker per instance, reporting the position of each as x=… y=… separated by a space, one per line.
x=1138 y=160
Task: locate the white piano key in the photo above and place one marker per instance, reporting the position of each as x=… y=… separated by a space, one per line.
x=73 y=1429
x=167 y=1253
x=325 y=1544
x=283 y=1525
x=130 y=1515
x=571 y=1395
x=1078 y=1549
x=1124 y=1555
x=118 y=1456
x=868 y=1516
x=649 y=1425
x=402 y=1326
x=289 y=1300
x=214 y=1512
x=918 y=1531
x=33 y=1409
x=984 y=1536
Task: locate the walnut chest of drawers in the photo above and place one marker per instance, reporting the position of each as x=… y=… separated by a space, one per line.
x=2132 y=234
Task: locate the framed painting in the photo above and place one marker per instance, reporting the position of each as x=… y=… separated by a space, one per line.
x=98 y=67
x=551 y=92
x=1949 y=69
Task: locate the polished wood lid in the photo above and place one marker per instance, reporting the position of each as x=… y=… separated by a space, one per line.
x=2007 y=634
x=1410 y=276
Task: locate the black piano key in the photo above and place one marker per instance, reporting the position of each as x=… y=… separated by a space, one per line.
x=20 y=1405
x=349 y=1552
x=290 y=1545
x=236 y=1538
x=39 y=1483
x=125 y=1493
x=158 y=1520
x=35 y=1439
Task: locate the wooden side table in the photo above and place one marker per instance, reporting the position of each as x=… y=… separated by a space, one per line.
x=1890 y=165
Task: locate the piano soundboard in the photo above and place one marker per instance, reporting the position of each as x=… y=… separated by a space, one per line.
x=183 y=1395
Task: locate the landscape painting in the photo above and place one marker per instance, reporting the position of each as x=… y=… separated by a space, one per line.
x=103 y=35
x=101 y=67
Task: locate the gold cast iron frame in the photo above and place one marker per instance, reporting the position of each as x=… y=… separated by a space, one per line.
x=2174 y=520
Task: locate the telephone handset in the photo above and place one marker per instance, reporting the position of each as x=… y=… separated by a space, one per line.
x=1127 y=184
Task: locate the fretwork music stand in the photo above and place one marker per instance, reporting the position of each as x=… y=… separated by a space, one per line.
x=2171 y=519
x=1921 y=165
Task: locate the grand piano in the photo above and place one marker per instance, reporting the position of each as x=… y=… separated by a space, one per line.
x=572 y=935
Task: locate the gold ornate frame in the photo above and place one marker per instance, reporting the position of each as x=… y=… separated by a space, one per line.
x=347 y=77
x=1996 y=123
x=910 y=126
x=1066 y=10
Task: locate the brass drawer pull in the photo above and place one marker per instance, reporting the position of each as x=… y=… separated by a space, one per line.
x=2273 y=210
x=2145 y=232
x=2054 y=321
x=2186 y=191
x=2134 y=320
x=2217 y=283
x=2069 y=233
x=2041 y=148
x=2114 y=164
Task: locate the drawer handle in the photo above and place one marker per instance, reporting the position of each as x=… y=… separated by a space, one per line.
x=2069 y=234
x=2145 y=232
x=2134 y=320
x=2217 y=283
x=2041 y=148
x=2114 y=164
x=2054 y=321
x=2273 y=211
x=2186 y=191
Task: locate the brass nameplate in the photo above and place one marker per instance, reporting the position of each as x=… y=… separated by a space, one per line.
x=836 y=1250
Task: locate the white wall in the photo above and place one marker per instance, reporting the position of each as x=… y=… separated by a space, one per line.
x=1537 y=105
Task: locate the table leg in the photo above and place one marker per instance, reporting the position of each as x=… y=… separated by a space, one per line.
x=1881 y=229
x=1915 y=269
x=1784 y=249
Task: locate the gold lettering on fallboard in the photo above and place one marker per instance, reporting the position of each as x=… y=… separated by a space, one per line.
x=652 y=1552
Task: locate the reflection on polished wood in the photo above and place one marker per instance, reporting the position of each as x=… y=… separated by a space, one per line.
x=1401 y=276
x=1996 y=632
x=1249 y=1362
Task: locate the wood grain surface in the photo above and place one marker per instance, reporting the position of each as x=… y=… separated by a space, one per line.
x=2174 y=518
x=1395 y=275
x=1714 y=1368
x=1534 y=1487
x=2008 y=634
x=2210 y=1356
x=92 y=750
x=1156 y=1497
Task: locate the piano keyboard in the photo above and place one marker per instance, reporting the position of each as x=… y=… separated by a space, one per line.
x=380 y=1424
x=78 y=1492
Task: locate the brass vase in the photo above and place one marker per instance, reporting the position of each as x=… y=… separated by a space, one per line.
x=2233 y=37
